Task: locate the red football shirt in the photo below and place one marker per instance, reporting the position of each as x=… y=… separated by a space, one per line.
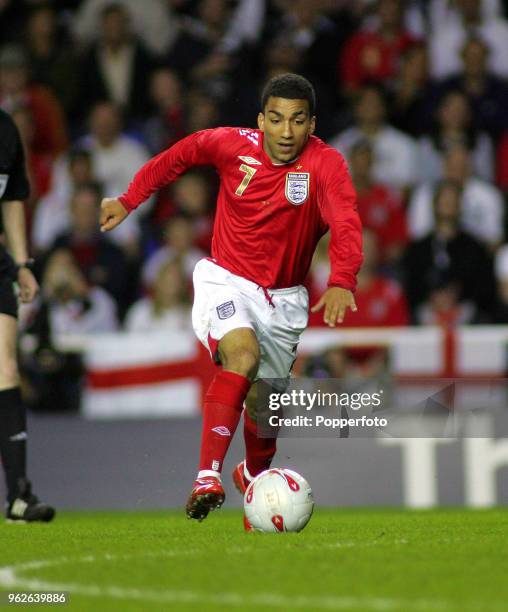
x=367 y=56
x=382 y=211
x=381 y=303
x=269 y=216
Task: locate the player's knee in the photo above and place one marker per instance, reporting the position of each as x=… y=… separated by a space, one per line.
x=9 y=373
x=244 y=361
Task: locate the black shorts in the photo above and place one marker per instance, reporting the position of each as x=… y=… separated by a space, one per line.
x=8 y=299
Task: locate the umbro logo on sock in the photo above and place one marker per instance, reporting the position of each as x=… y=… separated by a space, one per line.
x=222 y=430
x=19 y=437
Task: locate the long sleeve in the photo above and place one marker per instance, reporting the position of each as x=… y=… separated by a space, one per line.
x=198 y=149
x=338 y=208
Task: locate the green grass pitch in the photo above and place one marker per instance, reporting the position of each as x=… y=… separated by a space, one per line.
x=358 y=560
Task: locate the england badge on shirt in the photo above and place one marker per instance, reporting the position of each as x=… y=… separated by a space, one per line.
x=226 y=310
x=297 y=187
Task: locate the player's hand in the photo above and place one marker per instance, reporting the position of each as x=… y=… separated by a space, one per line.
x=336 y=301
x=28 y=286
x=112 y=214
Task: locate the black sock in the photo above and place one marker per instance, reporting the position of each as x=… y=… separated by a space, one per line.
x=12 y=439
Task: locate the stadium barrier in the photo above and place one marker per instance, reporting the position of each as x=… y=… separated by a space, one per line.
x=166 y=375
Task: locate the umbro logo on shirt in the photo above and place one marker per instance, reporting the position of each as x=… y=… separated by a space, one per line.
x=249 y=160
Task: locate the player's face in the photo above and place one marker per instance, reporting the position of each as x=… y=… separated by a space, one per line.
x=286 y=125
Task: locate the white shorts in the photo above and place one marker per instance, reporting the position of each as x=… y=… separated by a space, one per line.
x=224 y=301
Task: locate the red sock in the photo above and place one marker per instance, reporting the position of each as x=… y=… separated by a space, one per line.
x=259 y=452
x=223 y=407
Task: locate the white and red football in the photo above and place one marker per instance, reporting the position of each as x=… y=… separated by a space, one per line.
x=278 y=500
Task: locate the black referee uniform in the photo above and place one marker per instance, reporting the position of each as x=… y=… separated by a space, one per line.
x=21 y=504
x=13 y=186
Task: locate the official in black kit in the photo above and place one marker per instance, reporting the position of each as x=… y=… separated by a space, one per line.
x=16 y=282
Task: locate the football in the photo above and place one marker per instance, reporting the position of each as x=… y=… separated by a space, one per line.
x=278 y=500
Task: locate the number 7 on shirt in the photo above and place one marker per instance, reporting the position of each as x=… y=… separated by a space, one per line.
x=249 y=173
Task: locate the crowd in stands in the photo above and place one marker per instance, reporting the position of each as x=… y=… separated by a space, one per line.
x=414 y=93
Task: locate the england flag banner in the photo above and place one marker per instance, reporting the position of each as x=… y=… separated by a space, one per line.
x=147 y=375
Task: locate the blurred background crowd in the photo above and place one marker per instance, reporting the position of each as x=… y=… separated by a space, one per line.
x=414 y=93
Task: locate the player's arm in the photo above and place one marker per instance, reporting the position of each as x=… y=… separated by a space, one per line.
x=198 y=149
x=13 y=216
x=338 y=207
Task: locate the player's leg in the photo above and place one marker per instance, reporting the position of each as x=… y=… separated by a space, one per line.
x=222 y=320
x=280 y=341
x=12 y=414
x=259 y=451
x=238 y=352
x=21 y=504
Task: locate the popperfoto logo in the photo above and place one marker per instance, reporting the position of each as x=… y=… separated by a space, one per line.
x=324 y=410
x=380 y=407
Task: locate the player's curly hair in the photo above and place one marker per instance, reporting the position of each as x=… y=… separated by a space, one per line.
x=292 y=87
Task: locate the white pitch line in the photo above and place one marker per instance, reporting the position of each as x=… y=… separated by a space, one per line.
x=10 y=577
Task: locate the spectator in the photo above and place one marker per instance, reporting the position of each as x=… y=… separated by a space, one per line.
x=74 y=306
x=52 y=60
x=190 y=197
x=443 y=306
x=395 y=154
x=166 y=123
x=202 y=112
x=315 y=37
x=381 y=208
x=153 y=21
x=198 y=55
x=380 y=301
x=114 y=154
x=193 y=199
x=414 y=14
x=52 y=215
x=448 y=35
x=246 y=25
x=306 y=41
x=451 y=252
x=16 y=91
x=481 y=203
x=373 y=56
x=116 y=68
x=102 y=263
x=410 y=107
x=453 y=127
x=178 y=244
x=168 y=308
x=445 y=11
x=486 y=92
